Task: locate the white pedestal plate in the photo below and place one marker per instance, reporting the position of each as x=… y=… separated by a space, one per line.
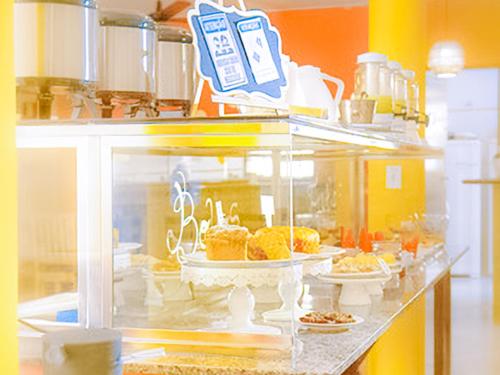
x=241 y=275
x=313 y=265
x=357 y=291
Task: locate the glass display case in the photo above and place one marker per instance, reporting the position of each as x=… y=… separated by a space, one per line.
x=204 y=235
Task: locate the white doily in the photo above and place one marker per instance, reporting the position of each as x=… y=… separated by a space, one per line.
x=240 y=277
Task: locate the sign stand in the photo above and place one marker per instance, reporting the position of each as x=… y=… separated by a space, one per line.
x=238 y=52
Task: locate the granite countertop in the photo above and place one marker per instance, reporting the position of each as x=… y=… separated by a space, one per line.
x=318 y=353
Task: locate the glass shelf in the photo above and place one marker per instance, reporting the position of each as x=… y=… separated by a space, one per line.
x=262 y=132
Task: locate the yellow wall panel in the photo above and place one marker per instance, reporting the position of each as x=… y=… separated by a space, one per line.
x=496 y=255
x=396 y=354
x=8 y=201
x=398 y=29
x=386 y=208
x=474 y=24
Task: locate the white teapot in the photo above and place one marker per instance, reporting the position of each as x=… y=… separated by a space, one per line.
x=307 y=89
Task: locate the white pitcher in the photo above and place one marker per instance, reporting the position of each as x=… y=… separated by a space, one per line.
x=307 y=88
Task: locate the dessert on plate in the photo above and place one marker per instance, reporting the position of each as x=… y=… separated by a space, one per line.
x=305 y=240
x=268 y=245
x=360 y=263
x=170 y=264
x=389 y=258
x=333 y=317
x=227 y=242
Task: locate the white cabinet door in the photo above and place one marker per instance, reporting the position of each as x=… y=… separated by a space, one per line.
x=463 y=161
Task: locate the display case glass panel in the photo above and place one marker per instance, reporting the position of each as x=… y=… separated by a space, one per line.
x=162 y=230
x=48 y=258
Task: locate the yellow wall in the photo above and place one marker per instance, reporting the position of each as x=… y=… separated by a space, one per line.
x=395 y=354
x=397 y=28
x=387 y=208
x=8 y=201
x=475 y=24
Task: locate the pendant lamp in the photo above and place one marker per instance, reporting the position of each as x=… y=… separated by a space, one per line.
x=446 y=57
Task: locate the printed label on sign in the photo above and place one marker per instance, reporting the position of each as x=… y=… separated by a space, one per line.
x=393 y=177
x=258 y=51
x=267 y=208
x=224 y=51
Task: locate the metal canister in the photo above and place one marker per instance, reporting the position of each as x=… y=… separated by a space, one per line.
x=127 y=58
x=56 y=46
x=175 y=70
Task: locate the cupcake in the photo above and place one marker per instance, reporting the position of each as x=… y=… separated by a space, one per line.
x=227 y=242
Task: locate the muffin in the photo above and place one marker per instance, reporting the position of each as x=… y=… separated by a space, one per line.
x=268 y=245
x=227 y=242
x=305 y=240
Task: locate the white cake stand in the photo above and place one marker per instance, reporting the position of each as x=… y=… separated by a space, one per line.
x=290 y=293
x=357 y=291
x=241 y=275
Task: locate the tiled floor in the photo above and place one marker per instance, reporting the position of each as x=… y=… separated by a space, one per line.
x=475 y=340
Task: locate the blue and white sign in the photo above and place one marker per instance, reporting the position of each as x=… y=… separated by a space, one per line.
x=257 y=50
x=238 y=52
x=224 y=52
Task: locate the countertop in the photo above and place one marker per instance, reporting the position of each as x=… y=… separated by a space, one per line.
x=319 y=353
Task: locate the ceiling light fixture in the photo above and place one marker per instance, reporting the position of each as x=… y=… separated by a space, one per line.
x=446 y=59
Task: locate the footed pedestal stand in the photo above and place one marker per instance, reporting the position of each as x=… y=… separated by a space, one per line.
x=241 y=302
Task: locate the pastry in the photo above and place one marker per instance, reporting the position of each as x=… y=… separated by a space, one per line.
x=170 y=264
x=227 y=242
x=305 y=240
x=359 y=264
x=268 y=245
x=327 y=318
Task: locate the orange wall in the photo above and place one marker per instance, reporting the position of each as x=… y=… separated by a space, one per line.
x=329 y=38
x=475 y=24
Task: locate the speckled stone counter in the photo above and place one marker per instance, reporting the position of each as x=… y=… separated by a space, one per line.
x=318 y=352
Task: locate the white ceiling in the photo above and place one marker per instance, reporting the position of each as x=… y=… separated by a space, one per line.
x=148 y=6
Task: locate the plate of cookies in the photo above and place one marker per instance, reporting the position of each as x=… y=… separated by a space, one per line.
x=333 y=320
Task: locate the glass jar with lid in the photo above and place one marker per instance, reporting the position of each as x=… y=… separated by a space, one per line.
x=412 y=95
x=370 y=80
x=56 y=57
x=127 y=62
x=175 y=73
x=399 y=89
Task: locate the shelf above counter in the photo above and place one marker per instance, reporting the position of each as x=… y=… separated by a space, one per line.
x=232 y=132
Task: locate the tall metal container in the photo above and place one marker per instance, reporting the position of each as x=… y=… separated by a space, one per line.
x=56 y=52
x=127 y=62
x=175 y=71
